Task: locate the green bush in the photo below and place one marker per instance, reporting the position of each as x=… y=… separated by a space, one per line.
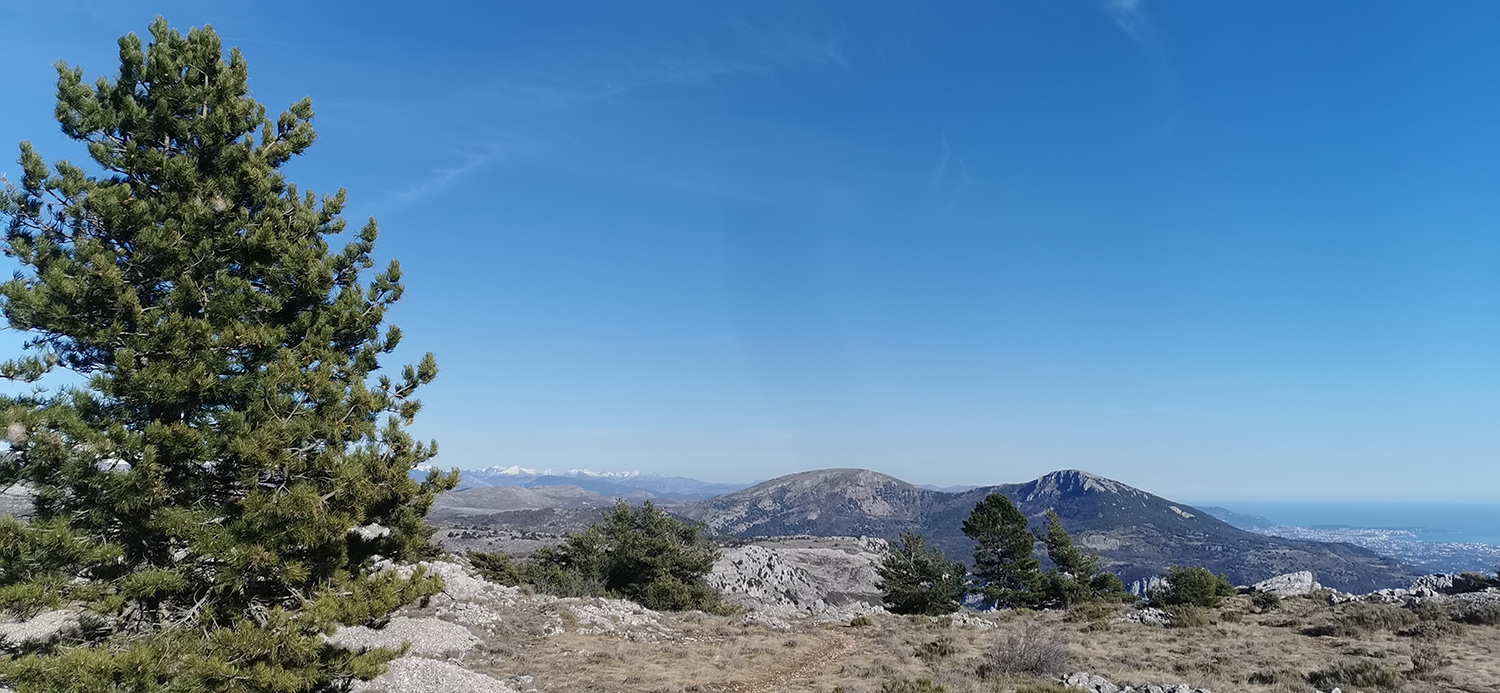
x=915 y=579
x=497 y=567
x=1265 y=601
x=1193 y=586
x=641 y=555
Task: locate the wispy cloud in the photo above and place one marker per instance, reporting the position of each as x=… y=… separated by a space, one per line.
x=1132 y=18
x=437 y=181
x=950 y=177
x=1135 y=23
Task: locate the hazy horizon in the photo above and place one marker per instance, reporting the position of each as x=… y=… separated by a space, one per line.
x=1232 y=249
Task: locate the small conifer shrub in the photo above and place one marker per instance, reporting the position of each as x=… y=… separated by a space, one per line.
x=641 y=554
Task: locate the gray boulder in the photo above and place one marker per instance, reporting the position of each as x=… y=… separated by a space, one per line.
x=1288 y=585
x=429 y=637
x=1150 y=616
x=39 y=630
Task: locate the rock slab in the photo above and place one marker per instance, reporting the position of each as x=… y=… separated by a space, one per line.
x=417 y=675
x=1288 y=585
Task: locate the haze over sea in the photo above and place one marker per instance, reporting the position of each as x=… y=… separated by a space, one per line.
x=1437 y=522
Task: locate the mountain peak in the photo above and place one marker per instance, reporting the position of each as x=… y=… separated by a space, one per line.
x=1068 y=483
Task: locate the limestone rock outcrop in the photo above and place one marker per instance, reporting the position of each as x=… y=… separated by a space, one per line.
x=1288 y=585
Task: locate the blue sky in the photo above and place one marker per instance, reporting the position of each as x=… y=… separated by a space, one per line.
x=1227 y=250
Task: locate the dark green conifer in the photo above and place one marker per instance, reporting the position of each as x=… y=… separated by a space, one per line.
x=916 y=579
x=1075 y=577
x=1003 y=548
x=224 y=432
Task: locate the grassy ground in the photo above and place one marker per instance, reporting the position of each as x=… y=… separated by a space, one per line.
x=1304 y=641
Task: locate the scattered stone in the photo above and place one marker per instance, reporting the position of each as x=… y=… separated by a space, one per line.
x=1089 y=682
x=1288 y=585
x=40 y=630
x=523 y=684
x=418 y=675
x=370 y=532
x=964 y=619
x=596 y=616
x=1150 y=616
x=1098 y=684
x=429 y=637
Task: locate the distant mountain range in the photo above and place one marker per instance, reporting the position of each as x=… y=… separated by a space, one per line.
x=1136 y=534
x=604 y=483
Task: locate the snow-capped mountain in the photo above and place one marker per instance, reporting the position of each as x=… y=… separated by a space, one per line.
x=606 y=483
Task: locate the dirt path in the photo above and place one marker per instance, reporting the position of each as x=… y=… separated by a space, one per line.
x=838 y=647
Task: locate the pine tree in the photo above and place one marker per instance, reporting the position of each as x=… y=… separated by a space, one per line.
x=226 y=431
x=1064 y=554
x=1003 y=549
x=915 y=579
x=642 y=555
x=1075 y=577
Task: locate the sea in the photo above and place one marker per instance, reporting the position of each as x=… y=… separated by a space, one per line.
x=1432 y=537
x=1437 y=522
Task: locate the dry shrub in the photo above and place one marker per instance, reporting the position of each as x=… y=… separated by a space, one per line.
x=1276 y=676
x=1188 y=616
x=1033 y=650
x=1426 y=660
x=1094 y=611
x=1363 y=673
x=1360 y=618
x=911 y=686
x=1484 y=614
x=1433 y=630
x=934 y=650
x=860 y=621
